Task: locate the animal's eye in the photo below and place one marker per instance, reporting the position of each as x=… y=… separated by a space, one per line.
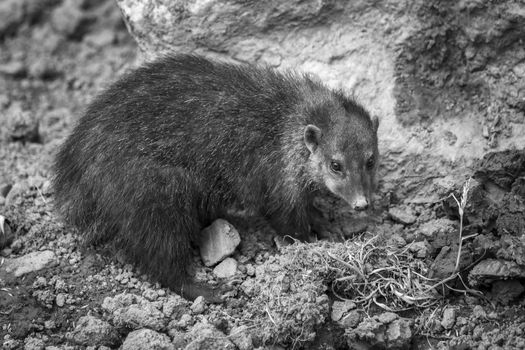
x=336 y=167
x=370 y=162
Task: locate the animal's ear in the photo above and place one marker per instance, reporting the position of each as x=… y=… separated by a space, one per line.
x=312 y=137
x=375 y=121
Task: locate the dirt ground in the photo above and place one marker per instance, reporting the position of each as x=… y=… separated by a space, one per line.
x=55 y=56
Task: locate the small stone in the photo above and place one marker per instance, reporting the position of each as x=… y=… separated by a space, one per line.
x=241 y=337
x=93 y=331
x=13 y=68
x=399 y=334
x=22 y=126
x=31 y=262
x=387 y=317
x=421 y=249
x=249 y=287
x=147 y=339
x=449 y=318
x=133 y=311
x=352 y=319
x=67 y=18
x=250 y=270
x=339 y=308
x=32 y=343
x=489 y=270
x=150 y=294
x=218 y=241
x=403 y=216
x=60 y=299
x=175 y=306
x=226 y=268
x=479 y=313
x=198 y=306
x=101 y=38
x=185 y=321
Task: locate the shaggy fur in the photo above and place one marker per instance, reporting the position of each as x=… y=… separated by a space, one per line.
x=169 y=147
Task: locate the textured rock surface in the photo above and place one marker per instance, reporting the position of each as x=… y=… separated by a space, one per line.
x=29 y=263
x=218 y=241
x=446 y=68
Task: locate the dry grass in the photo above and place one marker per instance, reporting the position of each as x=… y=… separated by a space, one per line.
x=369 y=272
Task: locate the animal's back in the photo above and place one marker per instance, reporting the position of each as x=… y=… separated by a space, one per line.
x=167 y=148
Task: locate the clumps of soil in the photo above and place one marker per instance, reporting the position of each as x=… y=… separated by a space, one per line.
x=289 y=300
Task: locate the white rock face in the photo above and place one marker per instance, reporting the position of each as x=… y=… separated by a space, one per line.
x=421 y=75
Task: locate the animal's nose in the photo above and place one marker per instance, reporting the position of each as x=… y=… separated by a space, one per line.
x=361 y=203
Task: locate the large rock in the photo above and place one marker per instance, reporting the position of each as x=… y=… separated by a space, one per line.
x=31 y=262
x=452 y=68
x=218 y=241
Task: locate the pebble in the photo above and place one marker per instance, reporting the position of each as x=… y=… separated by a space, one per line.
x=147 y=339
x=403 y=216
x=198 y=306
x=449 y=318
x=60 y=299
x=218 y=241
x=93 y=331
x=226 y=268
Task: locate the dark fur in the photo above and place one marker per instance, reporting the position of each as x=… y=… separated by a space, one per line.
x=170 y=146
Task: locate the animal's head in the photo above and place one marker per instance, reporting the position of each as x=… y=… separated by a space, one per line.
x=343 y=152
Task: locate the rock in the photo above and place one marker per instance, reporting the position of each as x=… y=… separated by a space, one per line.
x=420 y=249
x=241 y=337
x=15 y=69
x=249 y=287
x=175 y=306
x=90 y=330
x=66 y=19
x=226 y=268
x=218 y=241
x=339 y=308
x=31 y=262
x=11 y=14
x=384 y=331
x=101 y=38
x=133 y=311
x=198 y=306
x=449 y=318
x=60 y=299
x=352 y=319
x=43 y=68
x=506 y=291
x=147 y=339
x=22 y=125
x=479 y=313
x=17 y=191
x=440 y=232
x=32 y=343
x=206 y=337
x=399 y=334
x=490 y=270
x=387 y=317
x=150 y=294
x=403 y=216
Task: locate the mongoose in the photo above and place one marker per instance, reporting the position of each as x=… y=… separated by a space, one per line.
x=172 y=145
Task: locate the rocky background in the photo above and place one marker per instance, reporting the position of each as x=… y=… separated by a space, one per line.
x=447 y=82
